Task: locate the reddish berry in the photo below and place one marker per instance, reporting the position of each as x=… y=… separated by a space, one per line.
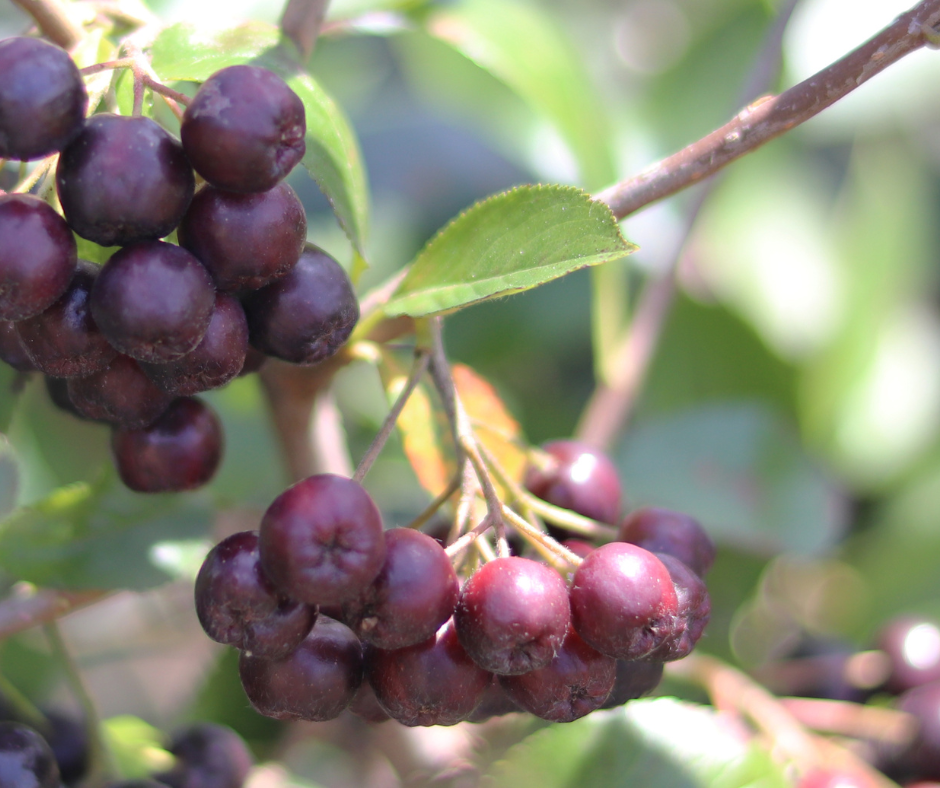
x=666 y=531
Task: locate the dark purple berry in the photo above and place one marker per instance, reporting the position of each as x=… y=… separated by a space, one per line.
x=237 y=605
x=123 y=180
x=119 y=394
x=623 y=601
x=575 y=683
x=12 y=351
x=306 y=315
x=244 y=129
x=577 y=477
x=37 y=256
x=245 y=240
x=634 y=680
x=26 y=760
x=254 y=360
x=316 y=682
x=365 y=705
x=494 y=703
x=42 y=99
x=922 y=757
x=321 y=540
x=413 y=594
x=208 y=756
x=219 y=356
x=58 y=391
x=68 y=738
x=513 y=615
x=666 y=531
x=692 y=612
x=153 y=301
x=64 y=341
x=180 y=450
x=430 y=683
x=912 y=645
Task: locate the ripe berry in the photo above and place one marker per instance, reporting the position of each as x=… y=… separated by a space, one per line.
x=306 y=315
x=413 y=594
x=693 y=611
x=219 y=356
x=244 y=129
x=68 y=738
x=364 y=704
x=153 y=301
x=579 y=478
x=665 y=531
x=207 y=756
x=634 y=680
x=316 y=682
x=123 y=180
x=245 y=240
x=42 y=99
x=37 y=256
x=513 y=615
x=623 y=601
x=912 y=645
x=833 y=778
x=429 y=683
x=575 y=683
x=321 y=540
x=119 y=394
x=237 y=605
x=26 y=760
x=254 y=360
x=494 y=703
x=11 y=349
x=922 y=757
x=64 y=341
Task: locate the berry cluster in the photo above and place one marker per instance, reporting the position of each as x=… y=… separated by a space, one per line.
x=131 y=342
x=331 y=611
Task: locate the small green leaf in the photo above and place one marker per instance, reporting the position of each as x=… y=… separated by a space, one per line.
x=184 y=52
x=508 y=243
x=137 y=747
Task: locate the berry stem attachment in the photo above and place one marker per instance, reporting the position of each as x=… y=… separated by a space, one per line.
x=468 y=538
x=561 y=557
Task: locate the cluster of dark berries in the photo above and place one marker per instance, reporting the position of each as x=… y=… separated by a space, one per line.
x=331 y=611
x=131 y=342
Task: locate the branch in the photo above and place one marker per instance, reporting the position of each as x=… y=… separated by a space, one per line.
x=19 y=612
x=771 y=116
x=54 y=20
x=301 y=23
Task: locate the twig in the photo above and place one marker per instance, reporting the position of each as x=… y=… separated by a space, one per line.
x=54 y=20
x=544 y=543
x=301 y=23
x=853 y=719
x=39 y=172
x=431 y=509
x=22 y=611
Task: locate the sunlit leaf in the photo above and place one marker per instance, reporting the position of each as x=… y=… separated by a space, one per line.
x=136 y=746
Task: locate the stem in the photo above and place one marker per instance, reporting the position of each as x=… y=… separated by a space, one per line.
x=54 y=20
x=127 y=62
x=163 y=90
x=19 y=611
x=468 y=538
x=23 y=707
x=542 y=541
x=301 y=23
x=854 y=720
x=771 y=116
x=46 y=165
x=437 y=503
x=418 y=369
x=138 y=109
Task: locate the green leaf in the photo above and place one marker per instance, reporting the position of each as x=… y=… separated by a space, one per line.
x=137 y=747
x=508 y=243
x=182 y=52
x=11 y=386
x=9 y=477
x=660 y=743
x=738 y=468
x=100 y=536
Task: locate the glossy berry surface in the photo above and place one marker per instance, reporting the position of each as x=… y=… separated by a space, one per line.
x=207 y=756
x=675 y=533
x=245 y=240
x=26 y=760
x=244 y=129
x=912 y=645
x=692 y=612
x=575 y=683
x=321 y=540
x=414 y=593
x=218 y=358
x=119 y=394
x=622 y=601
x=153 y=301
x=513 y=615
x=237 y=605
x=42 y=99
x=37 y=256
x=316 y=682
x=12 y=351
x=430 y=683
x=63 y=341
x=634 y=680
x=181 y=449
x=123 y=180
x=305 y=316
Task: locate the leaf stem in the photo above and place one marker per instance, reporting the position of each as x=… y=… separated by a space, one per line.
x=28 y=607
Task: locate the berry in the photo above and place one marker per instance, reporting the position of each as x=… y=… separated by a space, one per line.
x=123 y=180
x=623 y=601
x=68 y=738
x=513 y=615
x=26 y=760
x=414 y=593
x=11 y=349
x=693 y=611
x=316 y=682
x=42 y=99
x=180 y=450
x=64 y=341
x=922 y=757
x=244 y=129
x=634 y=680
x=321 y=540
x=254 y=360
x=365 y=705
x=833 y=778
x=579 y=478
x=208 y=756
x=429 y=683
x=912 y=645
x=153 y=301
x=219 y=356
x=37 y=256
x=665 y=531
x=245 y=240
x=119 y=394
x=575 y=683
x=306 y=315
x=237 y=605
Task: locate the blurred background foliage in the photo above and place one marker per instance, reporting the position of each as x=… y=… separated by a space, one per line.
x=793 y=405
